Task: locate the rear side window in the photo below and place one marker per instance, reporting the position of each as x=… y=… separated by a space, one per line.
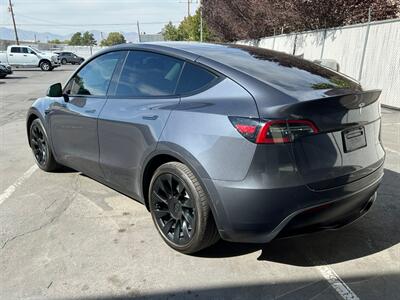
x=94 y=78
x=148 y=74
x=15 y=50
x=193 y=79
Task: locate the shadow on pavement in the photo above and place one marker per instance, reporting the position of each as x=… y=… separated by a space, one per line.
x=9 y=77
x=375 y=232
x=305 y=289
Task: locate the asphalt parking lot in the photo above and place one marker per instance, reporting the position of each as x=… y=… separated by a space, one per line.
x=65 y=236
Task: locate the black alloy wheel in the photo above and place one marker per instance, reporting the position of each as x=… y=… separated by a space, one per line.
x=180 y=209
x=39 y=144
x=41 y=148
x=174 y=209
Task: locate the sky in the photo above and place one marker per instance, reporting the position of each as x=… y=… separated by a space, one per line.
x=66 y=16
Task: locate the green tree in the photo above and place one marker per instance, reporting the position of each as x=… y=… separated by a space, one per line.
x=88 y=39
x=188 y=29
x=171 y=32
x=113 y=38
x=76 y=39
x=55 y=41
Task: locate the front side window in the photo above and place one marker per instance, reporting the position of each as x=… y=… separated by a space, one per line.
x=148 y=74
x=93 y=79
x=194 y=78
x=24 y=50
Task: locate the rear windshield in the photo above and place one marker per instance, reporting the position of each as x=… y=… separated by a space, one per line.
x=282 y=71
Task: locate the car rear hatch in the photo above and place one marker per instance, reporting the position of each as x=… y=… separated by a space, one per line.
x=346 y=146
x=329 y=122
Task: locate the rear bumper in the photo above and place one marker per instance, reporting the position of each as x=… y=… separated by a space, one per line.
x=258 y=215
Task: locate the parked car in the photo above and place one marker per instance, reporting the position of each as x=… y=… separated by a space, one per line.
x=27 y=56
x=217 y=140
x=70 y=58
x=5 y=70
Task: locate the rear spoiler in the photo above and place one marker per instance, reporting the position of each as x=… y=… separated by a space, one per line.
x=332 y=112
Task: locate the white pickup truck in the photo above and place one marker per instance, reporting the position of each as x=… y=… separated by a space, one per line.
x=27 y=56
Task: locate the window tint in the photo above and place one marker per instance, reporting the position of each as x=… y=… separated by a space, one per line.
x=15 y=50
x=24 y=50
x=148 y=74
x=95 y=77
x=194 y=78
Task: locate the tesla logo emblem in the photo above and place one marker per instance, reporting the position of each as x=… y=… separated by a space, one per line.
x=361 y=105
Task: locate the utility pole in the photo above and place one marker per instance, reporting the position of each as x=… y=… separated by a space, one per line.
x=138 y=29
x=201 y=22
x=13 y=19
x=189 y=1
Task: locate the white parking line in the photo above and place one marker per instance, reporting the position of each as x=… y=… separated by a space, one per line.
x=11 y=189
x=337 y=283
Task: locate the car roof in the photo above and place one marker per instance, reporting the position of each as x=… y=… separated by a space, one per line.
x=283 y=72
x=193 y=49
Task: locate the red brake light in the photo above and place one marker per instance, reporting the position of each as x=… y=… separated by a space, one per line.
x=246 y=129
x=273 y=131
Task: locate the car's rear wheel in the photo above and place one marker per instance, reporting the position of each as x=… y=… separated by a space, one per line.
x=180 y=210
x=64 y=61
x=41 y=148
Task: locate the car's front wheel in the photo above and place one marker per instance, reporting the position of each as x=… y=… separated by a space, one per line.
x=46 y=66
x=40 y=146
x=64 y=61
x=180 y=210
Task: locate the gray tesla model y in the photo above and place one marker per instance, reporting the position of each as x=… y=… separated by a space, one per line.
x=227 y=141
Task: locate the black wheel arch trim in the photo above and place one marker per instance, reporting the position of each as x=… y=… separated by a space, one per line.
x=185 y=157
x=34 y=111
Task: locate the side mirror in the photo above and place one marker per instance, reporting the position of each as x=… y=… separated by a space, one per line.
x=55 y=90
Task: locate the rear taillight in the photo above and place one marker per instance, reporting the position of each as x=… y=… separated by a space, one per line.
x=273 y=131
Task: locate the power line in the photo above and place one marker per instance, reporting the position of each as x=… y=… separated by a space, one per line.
x=91 y=24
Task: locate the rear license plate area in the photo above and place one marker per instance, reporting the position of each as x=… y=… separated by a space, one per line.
x=354 y=139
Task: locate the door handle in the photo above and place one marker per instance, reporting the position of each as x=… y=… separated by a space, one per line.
x=11 y=54
x=90 y=111
x=25 y=55
x=152 y=118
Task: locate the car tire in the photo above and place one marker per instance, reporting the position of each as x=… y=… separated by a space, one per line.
x=180 y=210
x=3 y=76
x=45 y=65
x=41 y=149
x=63 y=61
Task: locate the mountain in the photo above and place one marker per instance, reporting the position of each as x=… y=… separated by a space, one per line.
x=26 y=35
